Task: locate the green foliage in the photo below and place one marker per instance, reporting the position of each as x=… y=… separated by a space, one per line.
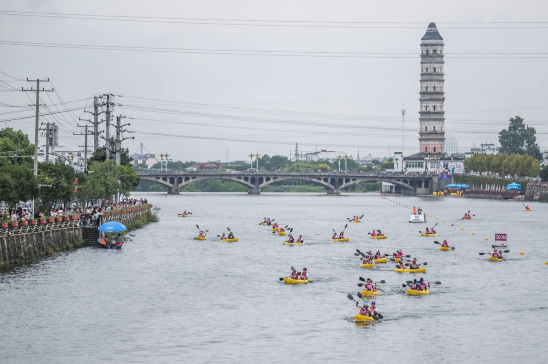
x=388 y=164
x=519 y=139
x=102 y=180
x=7 y=147
x=504 y=164
x=544 y=173
x=60 y=177
x=100 y=154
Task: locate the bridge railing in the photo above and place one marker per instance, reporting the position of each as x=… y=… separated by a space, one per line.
x=285 y=174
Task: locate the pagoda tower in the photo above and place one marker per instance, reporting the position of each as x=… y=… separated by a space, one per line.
x=432 y=113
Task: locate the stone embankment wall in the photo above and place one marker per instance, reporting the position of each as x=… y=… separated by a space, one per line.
x=536 y=194
x=26 y=243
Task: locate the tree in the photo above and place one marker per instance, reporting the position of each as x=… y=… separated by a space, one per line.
x=102 y=180
x=58 y=178
x=100 y=155
x=7 y=147
x=17 y=184
x=519 y=139
x=544 y=173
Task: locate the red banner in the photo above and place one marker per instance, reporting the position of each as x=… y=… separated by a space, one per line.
x=500 y=237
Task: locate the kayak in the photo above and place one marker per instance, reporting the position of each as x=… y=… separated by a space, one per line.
x=527 y=209
x=264 y=223
x=415 y=292
x=363 y=318
x=424 y=234
x=369 y=293
x=355 y=221
x=229 y=240
x=445 y=249
x=367 y=266
x=288 y=243
x=184 y=215
x=420 y=270
x=495 y=259
x=344 y=239
x=282 y=233
x=467 y=218
x=274 y=229
x=378 y=237
x=380 y=260
x=200 y=238
x=295 y=281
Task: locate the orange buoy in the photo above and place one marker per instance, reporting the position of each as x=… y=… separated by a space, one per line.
x=521 y=253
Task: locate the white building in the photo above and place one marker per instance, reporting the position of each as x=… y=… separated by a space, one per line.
x=324 y=155
x=147 y=159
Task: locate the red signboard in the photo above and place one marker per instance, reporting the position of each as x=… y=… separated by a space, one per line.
x=500 y=237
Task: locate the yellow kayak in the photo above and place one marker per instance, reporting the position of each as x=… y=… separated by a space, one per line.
x=467 y=218
x=363 y=318
x=424 y=234
x=264 y=223
x=381 y=260
x=495 y=259
x=378 y=237
x=274 y=229
x=415 y=292
x=344 y=239
x=200 y=238
x=369 y=293
x=282 y=233
x=420 y=270
x=367 y=266
x=355 y=220
x=229 y=240
x=445 y=249
x=184 y=215
x=288 y=243
x=527 y=209
x=295 y=281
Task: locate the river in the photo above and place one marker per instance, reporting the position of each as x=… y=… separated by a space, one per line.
x=168 y=298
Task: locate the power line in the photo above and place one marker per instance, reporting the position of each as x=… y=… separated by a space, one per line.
x=274 y=53
x=271 y=23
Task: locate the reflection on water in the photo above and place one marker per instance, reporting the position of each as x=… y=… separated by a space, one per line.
x=169 y=298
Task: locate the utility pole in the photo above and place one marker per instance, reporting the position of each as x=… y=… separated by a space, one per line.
x=85 y=146
x=403 y=130
x=119 y=139
x=37 y=118
x=95 y=121
x=107 y=134
x=296 y=151
x=47 y=143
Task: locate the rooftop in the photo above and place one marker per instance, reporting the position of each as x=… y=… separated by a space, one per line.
x=432 y=33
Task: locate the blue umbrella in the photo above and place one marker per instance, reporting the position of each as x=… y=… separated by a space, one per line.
x=112 y=227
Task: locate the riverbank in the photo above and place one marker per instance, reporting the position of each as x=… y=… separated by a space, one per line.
x=20 y=244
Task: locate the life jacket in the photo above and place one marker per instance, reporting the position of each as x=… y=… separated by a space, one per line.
x=104 y=242
x=423 y=286
x=304 y=276
x=427 y=231
x=223 y=237
x=282 y=230
x=373 y=234
x=414 y=286
x=334 y=236
x=369 y=286
x=293 y=275
x=230 y=236
x=364 y=311
x=399 y=255
x=291 y=239
x=413 y=265
x=414 y=211
x=341 y=236
x=445 y=244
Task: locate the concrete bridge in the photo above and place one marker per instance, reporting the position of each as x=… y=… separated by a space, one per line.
x=417 y=184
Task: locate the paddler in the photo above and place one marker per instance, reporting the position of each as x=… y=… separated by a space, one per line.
x=184 y=213
x=275 y=225
x=419 y=211
x=300 y=239
x=427 y=230
x=527 y=207
x=293 y=273
x=230 y=235
x=374 y=233
x=290 y=239
x=414 y=264
x=432 y=231
x=445 y=244
x=364 y=309
x=400 y=264
x=500 y=255
x=378 y=255
x=341 y=235
x=370 y=286
x=414 y=211
x=335 y=236
x=281 y=230
x=422 y=285
x=202 y=234
x=415 y=285
x=223 y=237
x=304 y=275
x=399 y=254
x=373 y=309
x=379 y=233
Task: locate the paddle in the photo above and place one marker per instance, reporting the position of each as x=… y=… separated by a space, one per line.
x=378 y=315
x=350 y=297
x=504 y=251
x=188 y=213
x=407 y=264
x=345 y=226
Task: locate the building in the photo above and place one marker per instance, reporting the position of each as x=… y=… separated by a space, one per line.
x=485 y=149
x=324 y=155
x=432 y=156
x=432 y=140
x=147 y=159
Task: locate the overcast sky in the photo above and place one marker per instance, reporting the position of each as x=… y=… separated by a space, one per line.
x=248 y=102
